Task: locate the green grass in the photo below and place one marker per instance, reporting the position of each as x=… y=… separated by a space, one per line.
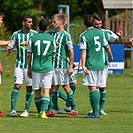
x=118 y=107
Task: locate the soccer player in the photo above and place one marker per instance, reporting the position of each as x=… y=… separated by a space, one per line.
x=41 y=50
x=20 y=39
x=110 y=37
x=63 y=69
x=91 y=43
x=2 y=43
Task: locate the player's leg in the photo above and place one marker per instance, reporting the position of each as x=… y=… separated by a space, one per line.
x=36 y=82
x=102 y=101
x=73 y=83
x=71 y=98
x=103 y=91
x=94 y=95
x=58 y=78
x=18 y=80
x=29 y=95
x=38 y=100
x=62 y=95
x=46 y=84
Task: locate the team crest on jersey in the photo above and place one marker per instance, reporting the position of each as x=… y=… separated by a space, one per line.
x=57 y=44
x=24 y=45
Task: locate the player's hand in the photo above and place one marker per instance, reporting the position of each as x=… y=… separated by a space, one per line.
x=131 y=40
x=111 y=59
x=70 y=71
x=79 y=65
x=8 y=49
x=120 y=31
x=85 y=70
x=29 y=73
x=41 y=17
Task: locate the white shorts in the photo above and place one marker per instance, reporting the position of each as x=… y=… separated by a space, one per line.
x=72 y=78
x=94 y=78
x=41 y=80
x=104 y=77
x=20 y=74
x=60 y=77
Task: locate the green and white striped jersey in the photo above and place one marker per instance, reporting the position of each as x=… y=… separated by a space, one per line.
x=63 y=44
x=42 y=45
x=20 y=41
x=110 y=37
x=93 y=40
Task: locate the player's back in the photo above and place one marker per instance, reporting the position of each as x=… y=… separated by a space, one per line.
x=42 y=48
x=94 y=55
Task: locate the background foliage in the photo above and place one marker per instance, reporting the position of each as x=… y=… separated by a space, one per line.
x=15 y=9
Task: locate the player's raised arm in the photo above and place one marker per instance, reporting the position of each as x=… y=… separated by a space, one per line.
x=4 y=43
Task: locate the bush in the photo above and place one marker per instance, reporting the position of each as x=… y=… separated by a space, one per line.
x=4 y=33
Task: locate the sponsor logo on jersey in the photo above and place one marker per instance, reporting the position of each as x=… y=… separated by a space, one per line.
x=57 y=44
x=24 y=45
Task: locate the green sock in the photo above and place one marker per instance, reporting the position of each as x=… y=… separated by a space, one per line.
x=45 y=103
x=73 y=87
x=55 y=100
x=62 y=95
x=38 y=103
x=71 y=100
x=102 y=99
x=90 y=101
x=29 y=96
x=68 y=102
x=51 y=105
x=14 y=98
x=94 y=99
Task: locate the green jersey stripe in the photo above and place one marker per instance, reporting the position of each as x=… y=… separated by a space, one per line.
x=20 y=41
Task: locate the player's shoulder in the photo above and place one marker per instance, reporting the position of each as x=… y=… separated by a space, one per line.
x=83 y=33
x=33 y=31
x=16 y=32
x=53 y=31
x=107 y=31
x=64 y=32
x=49 y=35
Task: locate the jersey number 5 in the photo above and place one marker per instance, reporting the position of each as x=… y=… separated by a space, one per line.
x=96 y=38
x=37 y=43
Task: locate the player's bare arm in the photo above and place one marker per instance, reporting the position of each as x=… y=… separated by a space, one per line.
x=29 y=65
x=79 y=65
x=83 y=57
x=4 y=43
x=71 y=56
x=108 y=50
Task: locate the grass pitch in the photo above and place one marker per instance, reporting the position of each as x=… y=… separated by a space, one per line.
x=118 y=106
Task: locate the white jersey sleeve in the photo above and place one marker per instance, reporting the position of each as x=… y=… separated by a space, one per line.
x=12 y=41
x=112 y=36
x=82 y=42
x=29 y=49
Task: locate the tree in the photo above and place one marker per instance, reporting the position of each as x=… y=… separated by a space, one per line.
x=15 y=9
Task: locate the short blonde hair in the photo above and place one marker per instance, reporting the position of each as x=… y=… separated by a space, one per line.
x=62 y=17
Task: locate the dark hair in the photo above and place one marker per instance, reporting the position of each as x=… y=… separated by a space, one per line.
x=43 y=24
x=24 y=17
x=2 y=14
x=88 y=21
x=97 y=17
